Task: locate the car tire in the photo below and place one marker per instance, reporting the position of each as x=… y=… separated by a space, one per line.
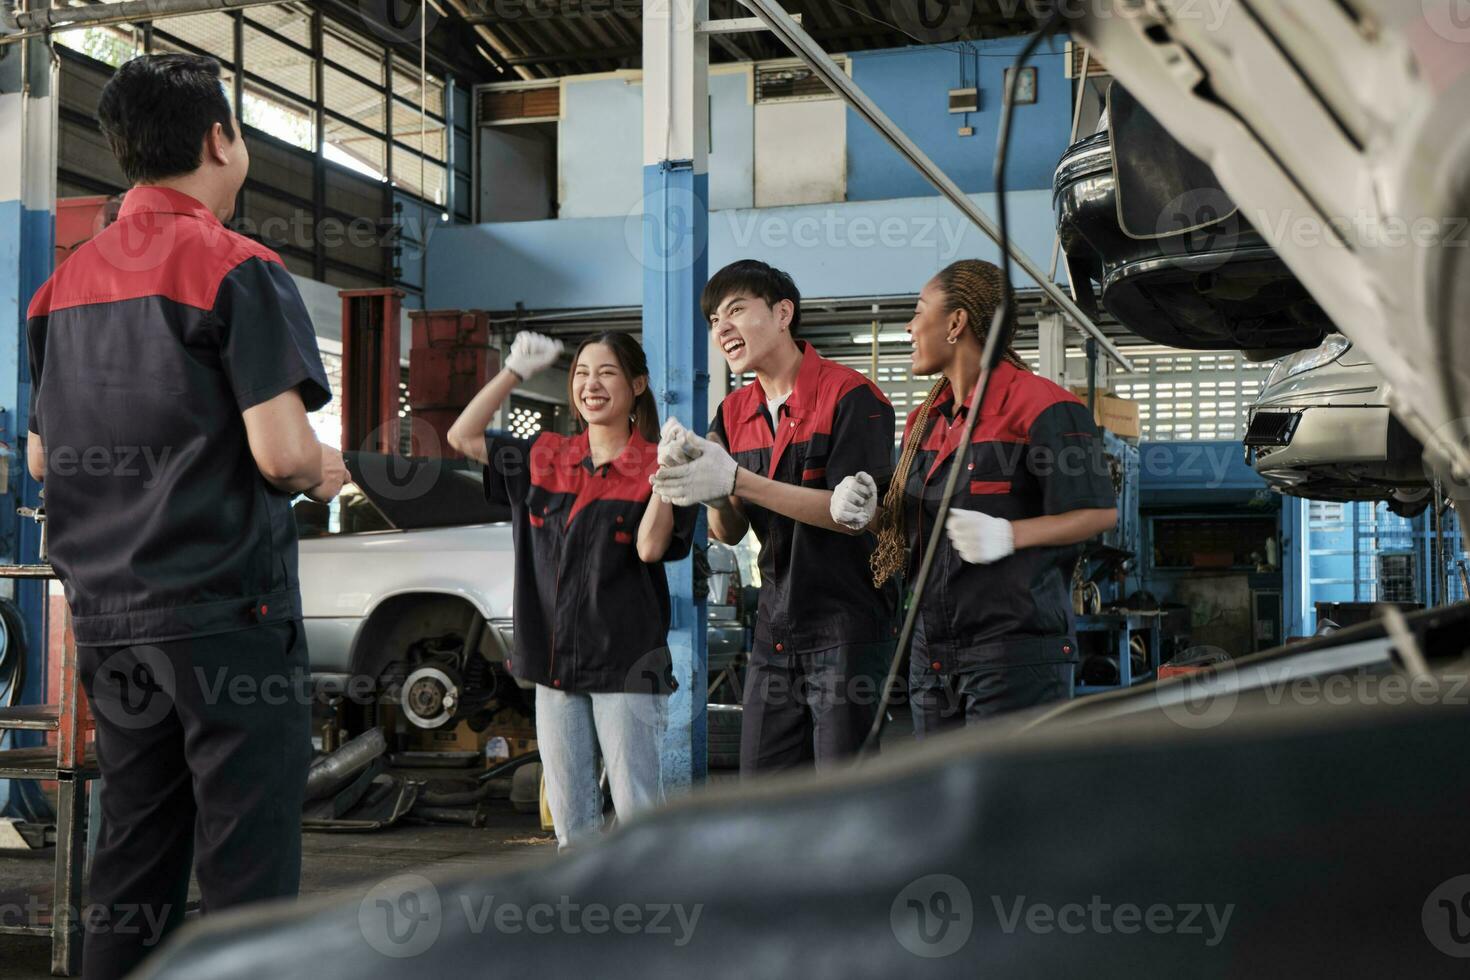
x=723 y=728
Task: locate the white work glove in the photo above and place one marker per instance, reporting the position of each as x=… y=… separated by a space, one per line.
x=855 y=501
x=674 y=446
x=979 y=538
x=532 y=352
x=707 y=477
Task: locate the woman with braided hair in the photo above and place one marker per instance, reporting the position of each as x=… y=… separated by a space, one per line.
x=994 y=631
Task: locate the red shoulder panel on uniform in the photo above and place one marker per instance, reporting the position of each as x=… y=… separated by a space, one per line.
x=180 y=258
x=554 y=461
x=1030 y=394
x=40 y=304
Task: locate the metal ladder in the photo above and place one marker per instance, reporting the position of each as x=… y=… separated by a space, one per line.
x=68 y=764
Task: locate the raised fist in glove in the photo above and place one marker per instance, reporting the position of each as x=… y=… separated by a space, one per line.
x=532 y=352
x=674 y=445
x=709 y=475
x=855 y=501
x=979 y=538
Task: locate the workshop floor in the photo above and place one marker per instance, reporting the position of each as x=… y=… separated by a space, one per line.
x=347 y=864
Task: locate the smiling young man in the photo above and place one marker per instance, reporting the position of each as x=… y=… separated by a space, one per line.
x=777 y=448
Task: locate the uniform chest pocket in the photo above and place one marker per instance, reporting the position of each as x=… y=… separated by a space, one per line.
x=543 y=506
x=994 y=463
x=623 y=520
x=811 y=461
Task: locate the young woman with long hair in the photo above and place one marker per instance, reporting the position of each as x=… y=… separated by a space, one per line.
x=995 y=629
x=591 y=598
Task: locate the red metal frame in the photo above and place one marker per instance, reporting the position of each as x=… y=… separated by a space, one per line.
x=371 y=369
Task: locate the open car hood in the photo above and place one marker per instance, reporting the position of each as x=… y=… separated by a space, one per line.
x=1339 y=127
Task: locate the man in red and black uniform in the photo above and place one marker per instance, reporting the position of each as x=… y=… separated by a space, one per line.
x=776 y=450
x=172 y=365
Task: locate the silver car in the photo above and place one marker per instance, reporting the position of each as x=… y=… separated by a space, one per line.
x=1321 y=429
x=408 y=572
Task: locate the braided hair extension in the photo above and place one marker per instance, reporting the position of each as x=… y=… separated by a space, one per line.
x=974 y=287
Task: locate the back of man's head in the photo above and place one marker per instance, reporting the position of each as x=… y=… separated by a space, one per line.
x=156 y=112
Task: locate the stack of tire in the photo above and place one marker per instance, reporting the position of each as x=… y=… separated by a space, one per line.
x=724 y=736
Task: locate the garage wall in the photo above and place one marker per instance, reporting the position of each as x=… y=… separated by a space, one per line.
x=800 y=152
x=911 y=85
x=732 y=140
x=852 y=248
x=599 y=152
x=600 y=144
x=519 y=167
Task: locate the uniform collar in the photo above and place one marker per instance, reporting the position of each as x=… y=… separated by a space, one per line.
x=803 y=392
x=629 y=460
x=163 y=200
x=995 y=395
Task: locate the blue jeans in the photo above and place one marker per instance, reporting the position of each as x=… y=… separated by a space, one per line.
x=570 y=729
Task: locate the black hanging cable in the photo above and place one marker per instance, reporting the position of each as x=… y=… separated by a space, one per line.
x=997 y=340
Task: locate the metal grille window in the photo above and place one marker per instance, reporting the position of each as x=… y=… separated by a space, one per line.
x=210 y=33
x=111 y=45
x=285 y=119
x=290 y=20
x=1192 y=395
x=279 y=63
x=418 y=133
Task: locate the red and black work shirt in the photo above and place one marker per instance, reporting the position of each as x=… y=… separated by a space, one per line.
x=590 y=615
x=145 y=348
x=1035 y=451
x=816 y=585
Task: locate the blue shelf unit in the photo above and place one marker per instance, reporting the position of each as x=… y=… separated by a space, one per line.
x=1197 y=519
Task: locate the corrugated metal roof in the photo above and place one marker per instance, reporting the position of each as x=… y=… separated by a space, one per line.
x=552 y=38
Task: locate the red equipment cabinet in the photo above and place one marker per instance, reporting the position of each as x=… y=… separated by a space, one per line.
x=371 y=369
x=448 y=363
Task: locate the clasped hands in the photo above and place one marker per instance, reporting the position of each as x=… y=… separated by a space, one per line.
x=691 y=469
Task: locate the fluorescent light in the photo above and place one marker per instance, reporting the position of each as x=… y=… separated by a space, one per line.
x=884 y=337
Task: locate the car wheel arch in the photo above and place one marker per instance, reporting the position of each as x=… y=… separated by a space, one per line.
x=398 y=620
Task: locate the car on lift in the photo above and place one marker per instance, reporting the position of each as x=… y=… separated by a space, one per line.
x=1321 y=429
x=406 y=590
x=1149 y=233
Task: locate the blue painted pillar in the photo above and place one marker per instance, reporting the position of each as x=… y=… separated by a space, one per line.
x=674 y=239
x=27 y=226
x=1296 y=568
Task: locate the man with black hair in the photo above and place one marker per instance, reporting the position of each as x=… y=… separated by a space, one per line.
x=777 y=448
x=172 y=367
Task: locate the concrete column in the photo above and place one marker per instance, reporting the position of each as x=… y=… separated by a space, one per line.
x=27 y=225
x=675 y=237
x=1051 y=333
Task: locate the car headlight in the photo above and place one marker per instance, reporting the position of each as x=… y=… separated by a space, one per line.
x=1303 y=361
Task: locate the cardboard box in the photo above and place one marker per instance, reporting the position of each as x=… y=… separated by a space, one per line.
x=460 y=738
x=1118 y=415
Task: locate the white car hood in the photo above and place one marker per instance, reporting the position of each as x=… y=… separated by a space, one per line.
x=1346 y=143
